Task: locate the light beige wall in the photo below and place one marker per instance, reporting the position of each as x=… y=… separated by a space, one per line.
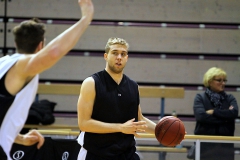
x=152 y=39
x=140 y=10
x=144 y=69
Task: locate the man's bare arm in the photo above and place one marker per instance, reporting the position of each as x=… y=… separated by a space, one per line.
x=85 y=108
x=58 y=47
x=150 y=124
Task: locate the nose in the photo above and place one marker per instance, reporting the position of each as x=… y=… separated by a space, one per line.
x=119 y=56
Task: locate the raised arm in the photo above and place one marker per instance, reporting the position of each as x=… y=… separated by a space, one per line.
x=85 y=108
x=58 y=47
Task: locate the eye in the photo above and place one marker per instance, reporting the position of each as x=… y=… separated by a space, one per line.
x=220 y=80
x=123 y=54
x=115 y=53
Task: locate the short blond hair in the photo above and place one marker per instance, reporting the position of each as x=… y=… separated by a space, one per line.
x=211 y=73
x=115 y=40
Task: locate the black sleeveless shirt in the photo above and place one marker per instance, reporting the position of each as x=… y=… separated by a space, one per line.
x=113 y=104
x=6 y=99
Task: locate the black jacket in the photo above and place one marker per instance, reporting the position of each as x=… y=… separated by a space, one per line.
x=221 y=122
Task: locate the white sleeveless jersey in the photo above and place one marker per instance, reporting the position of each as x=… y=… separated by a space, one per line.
x=16 y=115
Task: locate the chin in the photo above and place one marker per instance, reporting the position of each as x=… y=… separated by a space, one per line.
x=221 y=90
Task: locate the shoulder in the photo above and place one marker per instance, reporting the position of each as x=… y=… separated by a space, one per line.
x=97 y=75
x=93 y=77
x=88 y=86
x=4 y=58
x=129 y=80
x=230 y=97
x=88 y=82
x=200 y=96
x=22 y=65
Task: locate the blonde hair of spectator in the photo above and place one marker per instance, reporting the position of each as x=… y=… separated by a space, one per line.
x=211 y=74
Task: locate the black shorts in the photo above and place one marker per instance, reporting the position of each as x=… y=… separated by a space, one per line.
x=3 y=156
x=93 y=157
x=124 y=156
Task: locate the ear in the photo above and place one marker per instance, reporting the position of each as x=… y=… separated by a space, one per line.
x=210 y=82
x=16 y=46
x=40 y=46
x=105 y=56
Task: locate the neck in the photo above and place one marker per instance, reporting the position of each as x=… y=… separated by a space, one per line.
x=117 y=77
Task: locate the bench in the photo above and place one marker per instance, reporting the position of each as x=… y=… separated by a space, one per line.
x=145 y=91
x=74 y=89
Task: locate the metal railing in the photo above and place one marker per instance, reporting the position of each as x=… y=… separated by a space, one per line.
x=188 y=138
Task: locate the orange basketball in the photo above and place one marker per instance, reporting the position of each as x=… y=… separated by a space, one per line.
x=170 y=131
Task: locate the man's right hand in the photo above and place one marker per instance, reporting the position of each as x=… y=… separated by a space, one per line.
x=30 y=138
x=87 y=8
x=131 y=127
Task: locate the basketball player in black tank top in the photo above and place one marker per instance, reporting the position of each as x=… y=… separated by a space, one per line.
x=109 y=113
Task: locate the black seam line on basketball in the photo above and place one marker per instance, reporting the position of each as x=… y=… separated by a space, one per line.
x=177 y=132
x=165 y=131
x=168 y=128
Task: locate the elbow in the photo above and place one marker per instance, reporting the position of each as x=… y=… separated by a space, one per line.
x=54 y=53
x=200 y=118
x=234 y=113
x=81 y=126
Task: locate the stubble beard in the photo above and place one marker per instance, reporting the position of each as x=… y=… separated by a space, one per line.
x=115 y=70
